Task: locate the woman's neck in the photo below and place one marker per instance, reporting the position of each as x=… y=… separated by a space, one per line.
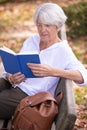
x=43 y=44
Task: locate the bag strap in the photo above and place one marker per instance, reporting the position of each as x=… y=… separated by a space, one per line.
x=59 y=97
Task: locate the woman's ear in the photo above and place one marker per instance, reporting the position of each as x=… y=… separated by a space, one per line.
x=59 y=32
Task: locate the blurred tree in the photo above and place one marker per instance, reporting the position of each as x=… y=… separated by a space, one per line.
x=77 y=19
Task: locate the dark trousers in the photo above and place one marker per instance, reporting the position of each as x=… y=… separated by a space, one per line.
x=9 y=99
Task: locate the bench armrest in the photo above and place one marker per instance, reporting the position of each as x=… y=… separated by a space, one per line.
x=67 y=109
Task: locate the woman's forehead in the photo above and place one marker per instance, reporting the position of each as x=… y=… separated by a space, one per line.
x=42 y=21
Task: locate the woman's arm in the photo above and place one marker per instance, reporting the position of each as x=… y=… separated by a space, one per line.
x=45 y=70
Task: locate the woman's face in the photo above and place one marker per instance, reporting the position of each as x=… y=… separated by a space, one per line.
x=48 y=33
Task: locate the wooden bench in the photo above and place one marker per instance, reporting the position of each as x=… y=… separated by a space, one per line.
x=67 y=110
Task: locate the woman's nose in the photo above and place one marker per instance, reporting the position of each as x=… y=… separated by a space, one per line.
x=43 y=28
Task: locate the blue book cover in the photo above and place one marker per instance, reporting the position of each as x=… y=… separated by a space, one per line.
x=14 y=63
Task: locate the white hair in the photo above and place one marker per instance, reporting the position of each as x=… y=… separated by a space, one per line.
x=50 y=13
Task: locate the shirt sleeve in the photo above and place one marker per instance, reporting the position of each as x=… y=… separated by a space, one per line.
x=74 y=64
x=31 y=44
x=4 y=75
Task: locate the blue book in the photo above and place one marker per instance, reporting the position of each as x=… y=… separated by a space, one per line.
x=14 y=63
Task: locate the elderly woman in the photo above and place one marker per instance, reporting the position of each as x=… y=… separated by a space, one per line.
x=57 y=60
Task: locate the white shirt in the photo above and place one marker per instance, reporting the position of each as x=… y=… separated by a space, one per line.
x=59 y=55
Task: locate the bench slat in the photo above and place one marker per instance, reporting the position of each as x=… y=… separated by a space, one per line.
x=67 y=108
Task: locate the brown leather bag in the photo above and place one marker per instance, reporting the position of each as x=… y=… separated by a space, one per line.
x=36 y=112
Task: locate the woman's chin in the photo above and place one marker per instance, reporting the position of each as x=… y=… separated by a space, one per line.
x=44 y=39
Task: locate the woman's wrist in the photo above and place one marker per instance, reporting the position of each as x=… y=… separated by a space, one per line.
x=9 y=78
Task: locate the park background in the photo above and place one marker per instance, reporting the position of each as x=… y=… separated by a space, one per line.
x=16 y=24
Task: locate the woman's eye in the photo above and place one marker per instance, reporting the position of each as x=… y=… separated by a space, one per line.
x=38 y=25
x=47 y=25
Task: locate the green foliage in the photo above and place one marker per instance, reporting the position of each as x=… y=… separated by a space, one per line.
x=3 y=1
x=85 y=90
x=77 y=19
x=79 y=95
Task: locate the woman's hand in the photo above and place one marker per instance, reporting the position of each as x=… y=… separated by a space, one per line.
x=41 y=70
x=15 y=78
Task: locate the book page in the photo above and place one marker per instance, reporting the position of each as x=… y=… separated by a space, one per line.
x=28 y=53
x=4 y=48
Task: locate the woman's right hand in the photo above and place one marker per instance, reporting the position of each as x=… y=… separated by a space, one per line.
x=15 y=78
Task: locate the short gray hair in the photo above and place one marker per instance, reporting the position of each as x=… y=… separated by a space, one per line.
x=50 y=13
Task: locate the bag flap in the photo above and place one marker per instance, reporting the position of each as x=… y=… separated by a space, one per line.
x=36 y=99
x=39 y=98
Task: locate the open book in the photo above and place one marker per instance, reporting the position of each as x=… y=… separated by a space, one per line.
x=14 y=63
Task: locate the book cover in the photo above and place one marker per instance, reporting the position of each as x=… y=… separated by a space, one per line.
x=14 y=63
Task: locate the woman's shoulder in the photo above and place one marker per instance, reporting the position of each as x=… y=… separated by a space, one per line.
x=65 y=47
x=31 y=42
x=32 y=38
x=64 y=44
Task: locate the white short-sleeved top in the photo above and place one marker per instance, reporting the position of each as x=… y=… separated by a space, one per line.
x=58 y=55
